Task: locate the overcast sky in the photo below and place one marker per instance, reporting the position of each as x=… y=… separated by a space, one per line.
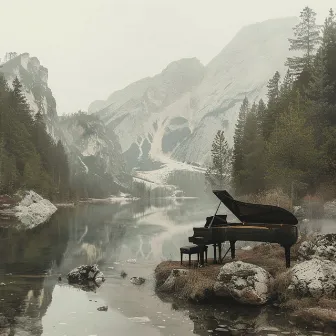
x=94 y=47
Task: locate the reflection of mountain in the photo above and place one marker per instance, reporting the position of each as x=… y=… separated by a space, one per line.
x=100 y=234
x=28 y=256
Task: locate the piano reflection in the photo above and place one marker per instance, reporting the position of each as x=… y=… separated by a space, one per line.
x=258 y=222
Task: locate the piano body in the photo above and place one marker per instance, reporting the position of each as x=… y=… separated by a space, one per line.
x=258 y=222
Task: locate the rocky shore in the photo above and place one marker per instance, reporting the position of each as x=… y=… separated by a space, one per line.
x=306 y=291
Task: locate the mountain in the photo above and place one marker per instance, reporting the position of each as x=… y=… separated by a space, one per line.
x=175 y=114
x=95 y=160
x=34 y=79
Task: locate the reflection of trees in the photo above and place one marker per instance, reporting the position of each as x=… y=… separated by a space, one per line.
x=28 y=255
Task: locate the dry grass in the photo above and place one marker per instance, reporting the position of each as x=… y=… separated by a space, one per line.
x=197 y=285
x=269 y=256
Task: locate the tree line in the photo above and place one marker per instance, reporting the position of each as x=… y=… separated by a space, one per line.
x=29 y=157
x=291 y=138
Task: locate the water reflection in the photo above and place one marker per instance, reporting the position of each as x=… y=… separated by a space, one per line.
x=32 y=260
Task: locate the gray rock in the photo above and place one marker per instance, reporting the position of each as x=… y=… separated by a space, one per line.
x=321 y=247
x=315 y=278
x=330 y=209
x=244 y=282
x=137 y=280
x=169 y=284
x=103 y=308
x=86 y=273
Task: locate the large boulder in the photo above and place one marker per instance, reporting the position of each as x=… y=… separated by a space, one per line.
x=244 y=282
x=170 y=283
x=84 y=274
x=313 y=278
x=33 y=209
x=321 y=247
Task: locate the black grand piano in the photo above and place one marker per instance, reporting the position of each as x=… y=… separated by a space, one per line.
x=258 y=222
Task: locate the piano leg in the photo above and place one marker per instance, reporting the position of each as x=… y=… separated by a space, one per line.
x=287 y=255
x=220 y=253
x=233 y=249
x=215 y=257
x=202 y=254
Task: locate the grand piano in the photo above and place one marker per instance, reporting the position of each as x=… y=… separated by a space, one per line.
x=258 y=222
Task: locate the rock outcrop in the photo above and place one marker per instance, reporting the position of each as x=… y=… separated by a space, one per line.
x=137 y=280
x=86 y=273
x=246 y=283
x=28 y=208
x=313 y=278
x=33 y=209
x=169 y=285
x=321 y=247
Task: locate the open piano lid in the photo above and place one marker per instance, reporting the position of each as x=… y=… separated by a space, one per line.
x=256 y=213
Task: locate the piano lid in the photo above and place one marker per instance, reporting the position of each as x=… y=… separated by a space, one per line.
x=256 y=213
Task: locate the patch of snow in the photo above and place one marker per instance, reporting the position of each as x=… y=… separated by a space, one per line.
x=85 y=166
x=34 y=209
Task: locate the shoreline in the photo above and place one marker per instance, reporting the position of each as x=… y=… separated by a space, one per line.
x=195 y=285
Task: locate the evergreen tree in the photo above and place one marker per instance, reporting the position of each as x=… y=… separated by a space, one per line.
x=271 y=114
x=291 y=153
x=252 y=174
x=261 y=112
x=219 y=173
x=29 y=157
x=307 y=39
x=237 y=164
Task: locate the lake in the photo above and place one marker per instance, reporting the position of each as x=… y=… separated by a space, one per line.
x=131 y=237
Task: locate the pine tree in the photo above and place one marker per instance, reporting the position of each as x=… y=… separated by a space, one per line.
x=271 y=114
x=291 y=153
x=219 y=173
x=261 y=111
x=307 y=39
x=252 y=174
x=273 y=88
x=237 y=164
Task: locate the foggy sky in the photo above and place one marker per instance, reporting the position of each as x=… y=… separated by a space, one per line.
x=94 y=47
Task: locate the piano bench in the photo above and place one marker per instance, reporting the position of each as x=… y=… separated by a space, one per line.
x=193 y=249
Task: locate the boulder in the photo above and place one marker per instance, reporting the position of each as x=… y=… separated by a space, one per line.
x=137 y=280
x=244 y=282
x=33 y=209
x=299 y=212
x=321 y=247
x=170 y=282
x=330 y=209
x=313 y=278
x=84 y=274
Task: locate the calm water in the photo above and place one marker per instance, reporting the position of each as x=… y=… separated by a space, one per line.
x=36 y=303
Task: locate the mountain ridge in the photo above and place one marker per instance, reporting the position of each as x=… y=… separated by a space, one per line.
x=208 y=102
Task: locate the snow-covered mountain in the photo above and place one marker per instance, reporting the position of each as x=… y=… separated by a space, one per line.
x=175 y=114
